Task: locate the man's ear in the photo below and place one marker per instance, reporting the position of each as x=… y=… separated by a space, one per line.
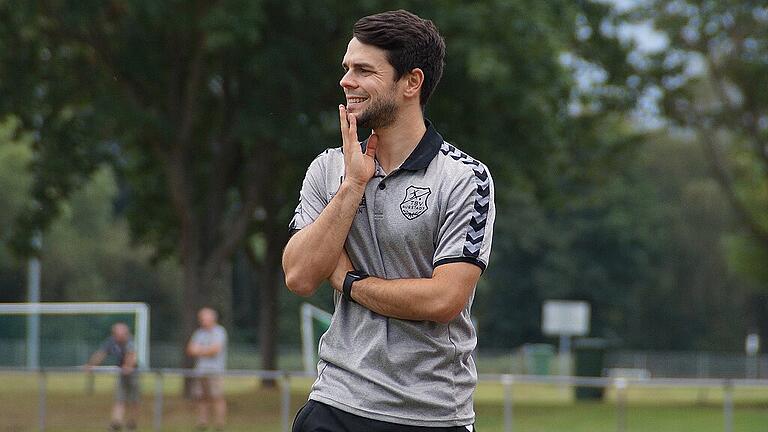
x=413 y=82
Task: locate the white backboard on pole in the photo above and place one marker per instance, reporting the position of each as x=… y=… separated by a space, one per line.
x=752 y=344
x=565 y=318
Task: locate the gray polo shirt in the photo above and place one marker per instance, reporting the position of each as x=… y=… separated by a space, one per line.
x=207 y=338
x=437 y=208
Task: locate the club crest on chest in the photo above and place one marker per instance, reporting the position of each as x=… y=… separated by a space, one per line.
x=415 y=202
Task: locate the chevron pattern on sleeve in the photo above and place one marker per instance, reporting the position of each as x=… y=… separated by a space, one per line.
x=296 y=214
x=476 y=230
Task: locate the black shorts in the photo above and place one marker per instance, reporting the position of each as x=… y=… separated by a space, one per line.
x=319 y=417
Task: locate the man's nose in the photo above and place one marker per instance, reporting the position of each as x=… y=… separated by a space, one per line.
x=347 y=81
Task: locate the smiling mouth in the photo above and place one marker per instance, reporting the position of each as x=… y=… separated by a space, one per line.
x=356 y=100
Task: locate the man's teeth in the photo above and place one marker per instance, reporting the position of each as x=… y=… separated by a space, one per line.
x=356 y=100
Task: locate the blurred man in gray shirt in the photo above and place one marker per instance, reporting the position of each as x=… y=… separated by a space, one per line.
x=208 y=346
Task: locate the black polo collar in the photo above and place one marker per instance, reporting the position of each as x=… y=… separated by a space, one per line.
x=425 y=151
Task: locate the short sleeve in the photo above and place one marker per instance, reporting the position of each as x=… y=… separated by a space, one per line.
x=313 y=196
x=466 y=231
x=130 y=347
x=196 y=337
x=221 y=336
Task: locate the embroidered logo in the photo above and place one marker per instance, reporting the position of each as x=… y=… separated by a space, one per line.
x=415 y=202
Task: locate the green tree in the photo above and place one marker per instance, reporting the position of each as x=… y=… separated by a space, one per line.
x=551 y=141
x=601 y=243
x=211 y=111
x=88 y=255
x=698 y=302
x=712 y=80
x=15 y=181
x=199 y=106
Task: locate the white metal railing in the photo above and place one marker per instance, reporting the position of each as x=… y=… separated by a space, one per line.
x=159 y=374
x=691 y=364
x=620 y=385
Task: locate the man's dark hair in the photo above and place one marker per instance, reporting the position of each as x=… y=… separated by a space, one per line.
x=410 y=42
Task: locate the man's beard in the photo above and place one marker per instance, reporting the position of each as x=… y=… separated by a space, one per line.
x=379 y=115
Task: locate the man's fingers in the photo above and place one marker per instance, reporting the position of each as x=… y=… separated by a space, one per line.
x=344 y=126
x=348 y=130
x=373 y=142
x=343 y=119
x=352 y=129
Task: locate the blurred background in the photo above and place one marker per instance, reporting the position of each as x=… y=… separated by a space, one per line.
x=152 y=151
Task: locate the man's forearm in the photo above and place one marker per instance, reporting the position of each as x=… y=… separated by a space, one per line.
x=408 y=299
x=96 y=358
x=130 y=360
x=439 y=298
x=312 y=254
x=209 y=351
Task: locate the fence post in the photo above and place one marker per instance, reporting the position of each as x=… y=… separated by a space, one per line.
x=506 y=381
x=621 y=385
x=285 y=408
x=41 y=399
x=157 y=421
x=90 y=383
x=728 y=405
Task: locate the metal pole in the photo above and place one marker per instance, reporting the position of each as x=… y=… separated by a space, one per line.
x=564 y=360
x=41 y=400
x=142 y=334
x=621 y=408
x=728 y=405
x=308 y=355
x=506 y=381
x=565 y=355
x=90 y=383
x=157 y=422
x=33 y=296
x=285 y=408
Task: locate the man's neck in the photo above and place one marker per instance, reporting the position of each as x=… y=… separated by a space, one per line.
x=396 y=142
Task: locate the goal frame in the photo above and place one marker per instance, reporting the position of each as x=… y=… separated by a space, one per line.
x=140 y=310
x=308 y=342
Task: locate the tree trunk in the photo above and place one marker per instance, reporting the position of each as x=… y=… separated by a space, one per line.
x=270 y=281
x=191 y=298
x=268 y=304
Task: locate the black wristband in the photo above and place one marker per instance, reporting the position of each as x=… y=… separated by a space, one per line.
x=349 y=279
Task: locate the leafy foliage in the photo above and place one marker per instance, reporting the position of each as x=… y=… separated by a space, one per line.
x=713 y=80
x=209 y=112
x=15 y=156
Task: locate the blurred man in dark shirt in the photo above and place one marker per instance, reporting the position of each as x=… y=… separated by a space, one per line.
x=120 y=347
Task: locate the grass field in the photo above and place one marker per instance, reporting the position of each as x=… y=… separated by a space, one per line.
x=537 y=408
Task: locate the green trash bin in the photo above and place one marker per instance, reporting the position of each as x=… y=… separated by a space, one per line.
x=590 y=360
x=537 y=358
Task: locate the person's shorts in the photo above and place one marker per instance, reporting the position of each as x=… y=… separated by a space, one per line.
x=316 y=417
x=127 y=388
x=208 y=387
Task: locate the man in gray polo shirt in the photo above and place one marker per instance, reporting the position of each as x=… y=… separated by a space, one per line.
x=208 y=345
x=401 y=227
